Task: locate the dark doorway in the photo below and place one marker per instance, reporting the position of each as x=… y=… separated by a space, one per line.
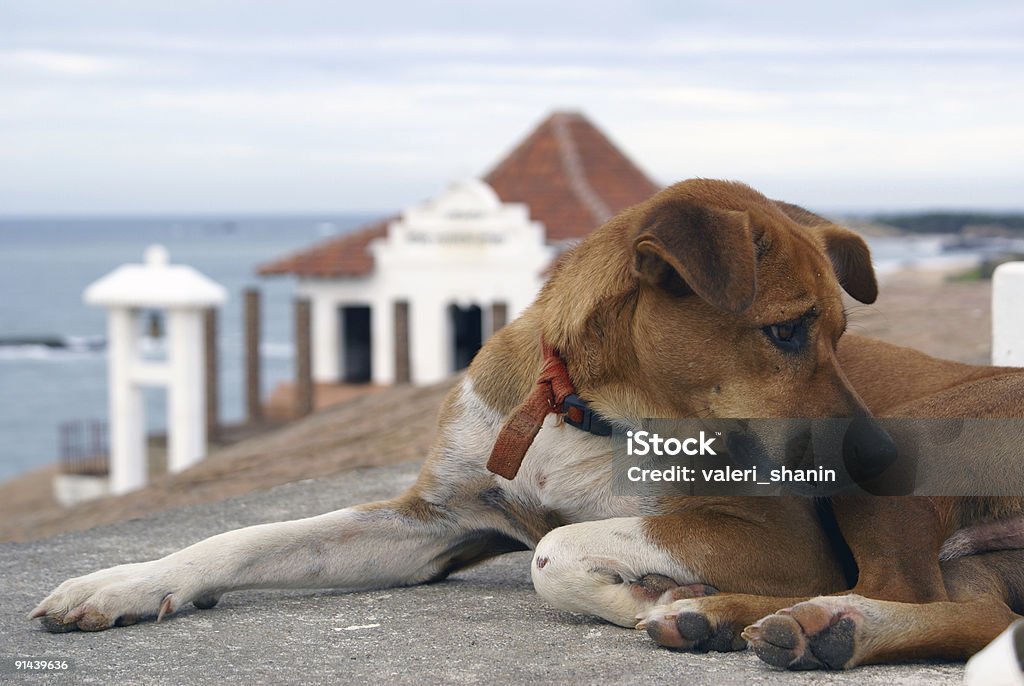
x=467 y=333
x=356 y=344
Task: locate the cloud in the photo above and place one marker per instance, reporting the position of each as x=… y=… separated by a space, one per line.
x=202 y=106
x=664 y=42
x=59 y=63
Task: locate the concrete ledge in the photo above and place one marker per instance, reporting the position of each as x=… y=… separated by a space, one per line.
x=483 y=625
x=71 y=489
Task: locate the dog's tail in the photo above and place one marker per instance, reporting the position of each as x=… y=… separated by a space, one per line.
x=1002 y=534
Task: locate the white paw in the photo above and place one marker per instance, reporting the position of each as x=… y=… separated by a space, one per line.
x=118 y=596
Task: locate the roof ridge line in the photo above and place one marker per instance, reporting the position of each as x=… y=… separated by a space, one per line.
x=574 y=168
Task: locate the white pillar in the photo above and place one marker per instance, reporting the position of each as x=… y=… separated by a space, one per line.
x=430 y=341
x=382 y=341
x=127 y=414
x=186 y=406
x=1008 y=314
x=326 y=323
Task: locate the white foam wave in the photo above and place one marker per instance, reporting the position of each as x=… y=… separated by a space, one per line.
x=46 y=353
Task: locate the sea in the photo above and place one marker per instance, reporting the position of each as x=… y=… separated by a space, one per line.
x=52 y=357
x=46 y=264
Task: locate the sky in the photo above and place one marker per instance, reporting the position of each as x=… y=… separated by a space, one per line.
x=314 y=106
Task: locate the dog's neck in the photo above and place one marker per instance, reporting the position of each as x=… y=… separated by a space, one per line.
x=553 y=393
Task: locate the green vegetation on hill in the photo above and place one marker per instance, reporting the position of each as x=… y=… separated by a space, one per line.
x=951 y=222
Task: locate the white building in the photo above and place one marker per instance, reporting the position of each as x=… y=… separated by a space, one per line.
x=411 y=299
x=184 y=294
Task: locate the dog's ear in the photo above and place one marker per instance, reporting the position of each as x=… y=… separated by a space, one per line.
x=851 y=261
x=847 y=251
x=707 y=251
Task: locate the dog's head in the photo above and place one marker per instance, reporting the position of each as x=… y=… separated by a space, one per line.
x=710 y=300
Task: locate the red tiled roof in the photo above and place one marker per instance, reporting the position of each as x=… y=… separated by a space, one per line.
x=347 y=255
x=567 y=172
x=571 y=177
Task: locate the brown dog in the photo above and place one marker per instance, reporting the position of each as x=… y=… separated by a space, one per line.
x=966 y=600
x=707 y=300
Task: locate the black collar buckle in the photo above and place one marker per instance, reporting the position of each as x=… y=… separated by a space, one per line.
x=592 y=422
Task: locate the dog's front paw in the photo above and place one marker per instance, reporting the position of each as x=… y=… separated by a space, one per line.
x=699 y=624
x=118 y=596
x=817 y=634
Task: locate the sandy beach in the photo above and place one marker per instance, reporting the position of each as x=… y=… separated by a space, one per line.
x=922 y=309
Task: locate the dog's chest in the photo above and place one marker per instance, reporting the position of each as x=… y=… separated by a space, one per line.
x=566 y=472
x=569 y=471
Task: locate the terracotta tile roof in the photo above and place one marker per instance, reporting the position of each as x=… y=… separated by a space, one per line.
x=569 y=174
x=347 y=255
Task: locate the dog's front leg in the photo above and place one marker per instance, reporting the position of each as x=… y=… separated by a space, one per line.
x=648 y=568
x=904 y=606
x=399 y=542
x=607 y=568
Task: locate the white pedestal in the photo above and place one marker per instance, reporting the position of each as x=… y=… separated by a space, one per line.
x=71 y=489
x=1008 y=315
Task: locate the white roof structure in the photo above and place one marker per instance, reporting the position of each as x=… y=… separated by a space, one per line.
x=156 y=283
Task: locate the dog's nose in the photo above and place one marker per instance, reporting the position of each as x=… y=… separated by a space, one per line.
x=868 y=450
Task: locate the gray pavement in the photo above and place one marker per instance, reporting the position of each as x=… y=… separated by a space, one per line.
x=482 y=625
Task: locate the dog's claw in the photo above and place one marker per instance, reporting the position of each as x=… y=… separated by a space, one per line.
x=166 y=607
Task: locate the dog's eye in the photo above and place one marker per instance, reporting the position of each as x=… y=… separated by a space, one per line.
x=783 y=332
x=788 y=336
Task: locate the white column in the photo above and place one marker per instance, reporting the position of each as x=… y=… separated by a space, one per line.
x=326 y=336
x=1008 y=314
x=382 y=340
x=127 y=415
x=430 y=341
x=186 y=403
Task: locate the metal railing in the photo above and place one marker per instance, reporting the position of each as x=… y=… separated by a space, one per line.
x=84 y=448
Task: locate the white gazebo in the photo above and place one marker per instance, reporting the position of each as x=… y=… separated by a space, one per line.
x=184 y=294
x=448 y=273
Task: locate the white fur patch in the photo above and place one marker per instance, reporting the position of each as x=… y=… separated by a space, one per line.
x=566 y=470
x=588 y=568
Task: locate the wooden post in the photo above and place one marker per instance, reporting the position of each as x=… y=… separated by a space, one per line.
x=303 y=358
x=499 y=316
x=253 y=402
x=403 y=369
x=212 y=379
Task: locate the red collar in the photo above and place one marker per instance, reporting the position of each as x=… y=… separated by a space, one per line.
x=549 y=395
